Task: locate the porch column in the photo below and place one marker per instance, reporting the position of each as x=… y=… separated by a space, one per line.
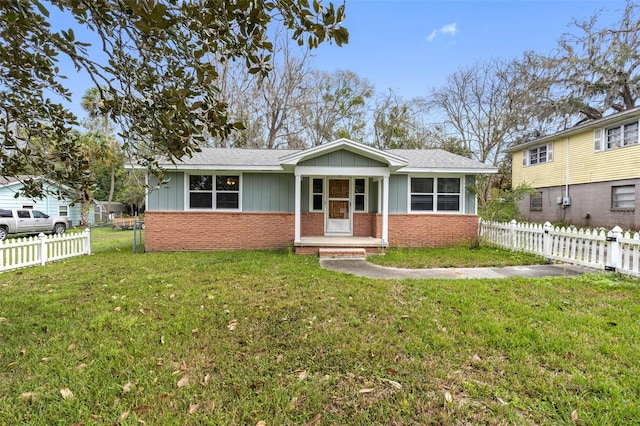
x=385 y=211
x=298 y=196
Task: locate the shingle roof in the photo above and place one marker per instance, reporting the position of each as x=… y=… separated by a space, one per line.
x=10 y=180
x=270 y=159
x=437 y=159
x=594 y=124
x=237 y=157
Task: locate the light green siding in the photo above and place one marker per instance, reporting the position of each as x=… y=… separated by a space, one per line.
x=373 y=196
x=170 y=196
x=304 y=201
x=268 y=192
x=342 y=158
x=469 y=195
x=398 y=191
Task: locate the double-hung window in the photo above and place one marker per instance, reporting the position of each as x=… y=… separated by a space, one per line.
x=422 y=194
x=448 y=194
x=538 y=155
x=317 y=194
x=63 y=210
x=624 y=135
x=359 y=194
x=435 y=194
x=616 y=137
x=220 y=192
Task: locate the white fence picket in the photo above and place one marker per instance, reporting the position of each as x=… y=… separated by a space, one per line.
x=23 y=252
x=611 y=250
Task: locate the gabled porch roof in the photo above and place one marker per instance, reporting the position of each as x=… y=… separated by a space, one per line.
x=393 y=161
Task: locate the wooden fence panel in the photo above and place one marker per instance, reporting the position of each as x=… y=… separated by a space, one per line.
x=23 y=252
x=611 y=250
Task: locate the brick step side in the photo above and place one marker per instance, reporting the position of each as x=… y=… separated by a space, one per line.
x=343 y=253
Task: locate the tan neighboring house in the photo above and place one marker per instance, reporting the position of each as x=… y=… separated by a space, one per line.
x=588 y=176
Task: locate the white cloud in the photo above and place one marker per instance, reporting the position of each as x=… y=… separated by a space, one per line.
x=450 y=29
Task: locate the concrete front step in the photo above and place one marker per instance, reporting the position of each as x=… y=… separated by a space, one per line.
x=342 y=253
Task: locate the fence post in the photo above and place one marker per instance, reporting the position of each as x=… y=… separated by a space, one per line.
x=512 y=232
x=614 y=253
x=87 y=240
x=43 y=248
x=546 y=239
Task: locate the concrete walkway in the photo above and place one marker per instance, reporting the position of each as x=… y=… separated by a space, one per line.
x=363 y=268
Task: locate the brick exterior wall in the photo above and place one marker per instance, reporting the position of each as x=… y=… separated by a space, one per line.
x=364 y=225
x=431 y=230
x=311 y=224
x=201 y=231
x=198 y=231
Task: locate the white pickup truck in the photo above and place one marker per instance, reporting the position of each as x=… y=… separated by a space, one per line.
x=28 y=221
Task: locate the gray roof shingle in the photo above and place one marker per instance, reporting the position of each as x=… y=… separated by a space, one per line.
x=270 y=158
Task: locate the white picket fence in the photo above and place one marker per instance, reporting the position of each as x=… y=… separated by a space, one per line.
x=21 y=252
x=612 y=250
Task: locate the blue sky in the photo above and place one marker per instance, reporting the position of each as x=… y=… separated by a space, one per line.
x=411 y=46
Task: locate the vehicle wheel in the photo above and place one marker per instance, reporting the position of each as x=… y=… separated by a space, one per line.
x=3 y=234
x=59 y=228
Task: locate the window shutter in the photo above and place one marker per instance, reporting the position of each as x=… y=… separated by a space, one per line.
x=597 y=140
x=549 y=152
x=525 y=158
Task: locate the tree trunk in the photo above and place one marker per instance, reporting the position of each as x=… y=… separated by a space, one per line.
x=111 y=189
x=85 y=210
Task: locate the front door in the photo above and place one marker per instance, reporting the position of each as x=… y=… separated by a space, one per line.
x=338 y=214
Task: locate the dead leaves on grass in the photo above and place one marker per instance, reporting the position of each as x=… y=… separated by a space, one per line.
x=66 y=393
x=231 y=325
x=574 y=416
x=184 y=381
x=29 y=396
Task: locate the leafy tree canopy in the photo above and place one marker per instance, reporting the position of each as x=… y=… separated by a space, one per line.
x=159 y=83
x=594 y=70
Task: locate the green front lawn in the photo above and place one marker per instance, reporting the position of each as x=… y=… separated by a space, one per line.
x=242 y=337
x=449 y=257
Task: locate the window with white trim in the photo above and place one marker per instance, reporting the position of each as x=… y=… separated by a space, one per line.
x=317 y=194
x=620 y=136
x=435 y=194
x=63 y=210
x=422 y=194
x=448 y=194
x=359 y=193
x=227 y=192
x=225 y=195
x=623 y=197
x=538 y=155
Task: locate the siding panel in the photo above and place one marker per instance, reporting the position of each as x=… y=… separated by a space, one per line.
x=469 y=197
x=267 y=192
x=584 y=164
x=398 y=193
x=342 y=158
x=170 y=196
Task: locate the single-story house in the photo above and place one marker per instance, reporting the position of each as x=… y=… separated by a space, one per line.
x=49 y=204
x=341 y=194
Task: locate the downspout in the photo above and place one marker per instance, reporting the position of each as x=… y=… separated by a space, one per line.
x=566 y=178
x=566 y=164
